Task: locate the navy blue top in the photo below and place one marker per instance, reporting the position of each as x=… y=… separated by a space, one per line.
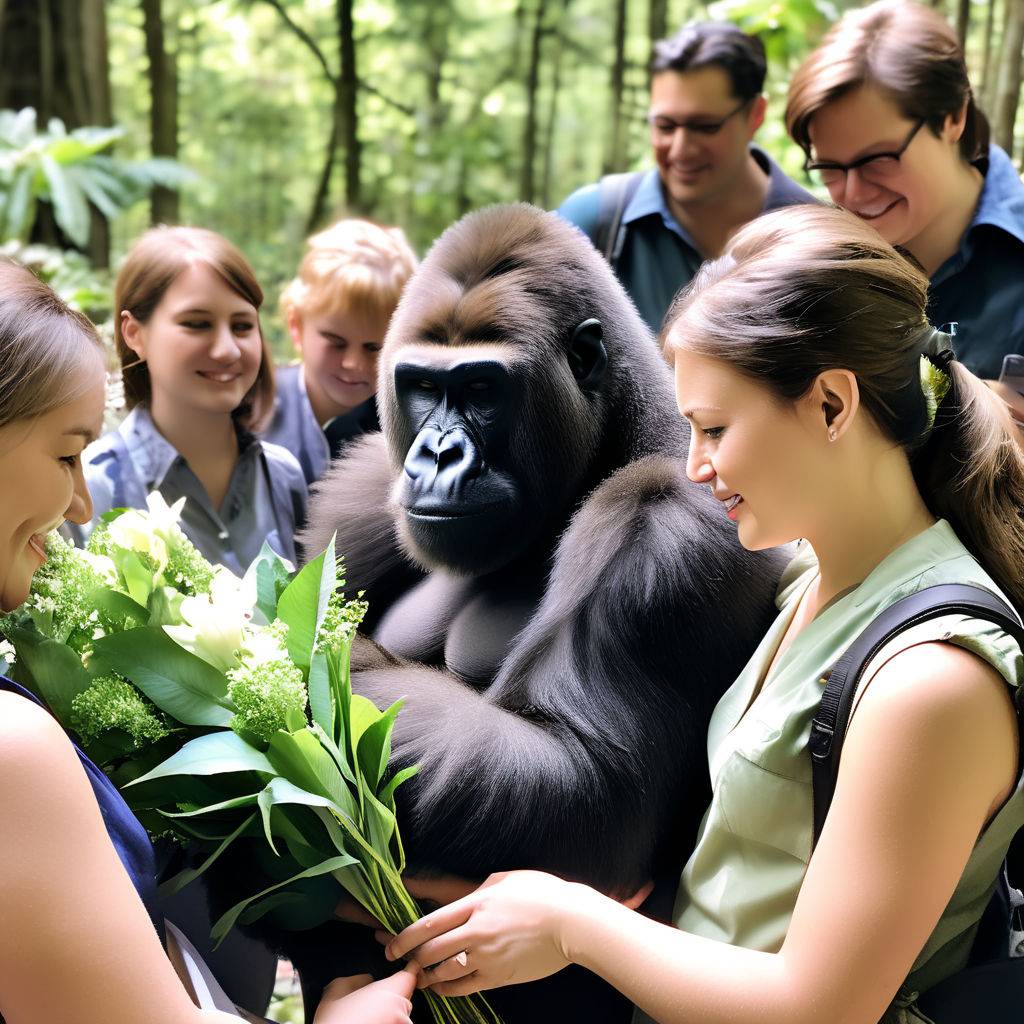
x=981 y=286
x=659 y=256
x=129 y=837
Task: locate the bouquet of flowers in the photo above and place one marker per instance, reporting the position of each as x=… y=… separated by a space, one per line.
x=222 y=709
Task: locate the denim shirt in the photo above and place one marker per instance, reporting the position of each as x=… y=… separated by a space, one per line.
x=265 y=500
x=294 y=425
x=981 y=286
x=659 y=256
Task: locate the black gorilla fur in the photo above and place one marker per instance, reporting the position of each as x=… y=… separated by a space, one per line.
x=559 y=676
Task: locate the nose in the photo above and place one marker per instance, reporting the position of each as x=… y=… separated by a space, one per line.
x=856 y=188
x=80 y=509
x=682 y=140
x=442 y=463
x=698 y=462
x=225 y=345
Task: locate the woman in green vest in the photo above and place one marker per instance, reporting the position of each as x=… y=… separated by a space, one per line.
x=810 y=377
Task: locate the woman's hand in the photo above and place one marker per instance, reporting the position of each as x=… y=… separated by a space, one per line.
x=360 y=1000
x=507 y=932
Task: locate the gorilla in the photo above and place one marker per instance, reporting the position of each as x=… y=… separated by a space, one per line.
x=558 y=605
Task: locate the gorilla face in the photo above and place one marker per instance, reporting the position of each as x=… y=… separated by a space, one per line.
x=482 y=477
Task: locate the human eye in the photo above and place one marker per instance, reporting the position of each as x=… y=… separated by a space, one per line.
x=71 y=460
x=242 y=326
x=374 y=346
x=663 y=125
x=706 y=127
x=196 y=325
x=714 y=433
x=884 y=163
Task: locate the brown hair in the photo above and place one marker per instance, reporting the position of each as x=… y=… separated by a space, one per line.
x=44 y=346
x=813 y=288
x=150 y=268
x=354 y=266
x=910 y=52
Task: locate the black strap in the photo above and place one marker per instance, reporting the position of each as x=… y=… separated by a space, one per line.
x=616 y=191
x=828 y=729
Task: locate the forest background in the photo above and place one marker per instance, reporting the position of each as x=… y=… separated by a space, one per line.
x=270 y=118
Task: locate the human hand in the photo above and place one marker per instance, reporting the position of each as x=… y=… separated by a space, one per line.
x=360 y=1000
x=507 y=932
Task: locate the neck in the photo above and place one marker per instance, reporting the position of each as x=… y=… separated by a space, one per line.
x=324 y=410
x=711 y=222
x=197 y=436
x=859 y=529
x=940 y=239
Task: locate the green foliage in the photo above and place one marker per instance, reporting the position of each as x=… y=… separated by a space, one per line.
x=111 y=703
x=70 y=171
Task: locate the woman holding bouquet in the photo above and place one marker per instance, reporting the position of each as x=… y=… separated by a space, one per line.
x=198 y=381
x=823 y=406
x=79 y=935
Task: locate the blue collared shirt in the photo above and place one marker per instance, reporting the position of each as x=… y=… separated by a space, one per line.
x=294 y=425
x=981 y=286
x=658 y=256
x=265 y=500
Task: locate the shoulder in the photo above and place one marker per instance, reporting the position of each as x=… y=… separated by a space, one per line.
x=283 y=466
x=782 y=189
x=583 y=208
x=35 y=752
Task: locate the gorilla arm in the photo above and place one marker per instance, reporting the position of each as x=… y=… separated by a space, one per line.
x=573 y=759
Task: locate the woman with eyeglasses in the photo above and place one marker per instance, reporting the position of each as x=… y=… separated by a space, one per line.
x=885 y=113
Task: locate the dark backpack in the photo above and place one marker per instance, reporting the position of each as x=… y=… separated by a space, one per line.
x=615 y=193
x=991 y=987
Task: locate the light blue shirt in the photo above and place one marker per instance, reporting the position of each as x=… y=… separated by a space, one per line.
x=265 y=500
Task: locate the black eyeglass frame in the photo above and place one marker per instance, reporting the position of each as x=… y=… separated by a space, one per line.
x=701 y=127
x=856 y=165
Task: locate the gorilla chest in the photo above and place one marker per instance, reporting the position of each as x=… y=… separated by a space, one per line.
x=464 y=625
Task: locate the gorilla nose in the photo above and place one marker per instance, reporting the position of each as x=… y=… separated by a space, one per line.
x=440 y=463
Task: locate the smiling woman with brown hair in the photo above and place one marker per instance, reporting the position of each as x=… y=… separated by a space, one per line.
x=885 y=112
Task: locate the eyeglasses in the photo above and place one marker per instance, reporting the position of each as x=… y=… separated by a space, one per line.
x=877 y=168
x=664 y=128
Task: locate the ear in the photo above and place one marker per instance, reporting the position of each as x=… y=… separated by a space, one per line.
x=955 y=124
x=836 y=399
x=295 y=328
x=588 y=358
x=133 y=334
x=757 y=114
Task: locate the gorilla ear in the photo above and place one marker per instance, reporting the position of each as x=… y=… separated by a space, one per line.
x=588 y=358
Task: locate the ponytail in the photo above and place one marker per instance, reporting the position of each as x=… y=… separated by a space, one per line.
x=971 y=472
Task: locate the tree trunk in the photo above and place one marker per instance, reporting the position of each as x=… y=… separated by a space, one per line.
x=985 y=94
x=323 y=187
x=1007 y=92
x=657 y=22
x=614 y=153
x=963 y=21
x=53 y=58
x=438 y=20
x=556 y=87
x=526 y=178
x=163 y=108
x=347 y=91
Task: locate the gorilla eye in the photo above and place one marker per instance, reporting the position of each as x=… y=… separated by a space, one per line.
x=479 y=385
x=426 y=385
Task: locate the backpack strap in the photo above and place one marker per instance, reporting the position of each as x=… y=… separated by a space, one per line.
x=828 y=729
x=616 y=191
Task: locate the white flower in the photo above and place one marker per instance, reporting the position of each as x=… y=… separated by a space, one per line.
x=163 y=517
x=7 y=652
x=134 y=531
x=215 y=622
x=102 y=566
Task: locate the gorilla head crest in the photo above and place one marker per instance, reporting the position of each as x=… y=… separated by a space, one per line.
x=495 y=390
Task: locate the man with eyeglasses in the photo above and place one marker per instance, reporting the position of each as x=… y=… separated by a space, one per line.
x=657 y=227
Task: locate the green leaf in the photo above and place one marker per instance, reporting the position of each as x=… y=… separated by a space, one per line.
x=56 y=671
x=362 y=714
x=165 y=607
x=174 y=679
x=183 y=878
x=224 y=805
x=375 y=746
x=281 y=791
x=115 y=605
x=302 y=760
x=226 y=922
x=272 y=575
x=321 y=703
x=70 y=208
x=387 y=794
x=304 y=603
x=20 y=208
x=213 y=754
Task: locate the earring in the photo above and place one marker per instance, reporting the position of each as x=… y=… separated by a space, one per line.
x=832 y=433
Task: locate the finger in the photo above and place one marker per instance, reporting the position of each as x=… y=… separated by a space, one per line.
x=346 y=986
x=403 y=982
x=452 y=969
x=383 y=937
x=440 y=921
x=463 y=987
x=434 y=952
x=639 y=897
